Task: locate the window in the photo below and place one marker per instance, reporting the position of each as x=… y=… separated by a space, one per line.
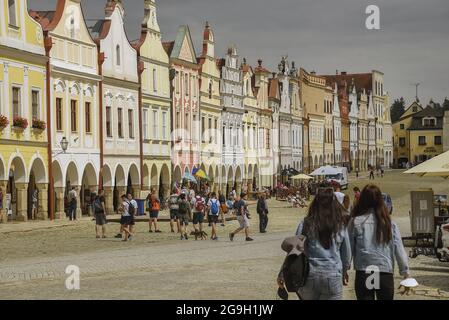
x=154 y=80
x=145 y=123
x=203 y=129
x=117 y=55
x=186 y=119
x=268 y=139
x=195 y=133
x=72 y=26
x=120 y=122
x=438 y=141
x=164 y=125
x=422 y=140
x=178 y=82
x=87 y=114
x=35 y=104
x=186 y=85
x=402 y=126
x=415 y=109
x=402 y=142
x=224 y=135
x=16 y=103
x=131 y=124
x=210 y=89
x=73 y=115
x=215 y=130
x=58 y=114
x=155 y=122
x=12 y=12
x=108 y=122
x=178 y=119
x=429 y=122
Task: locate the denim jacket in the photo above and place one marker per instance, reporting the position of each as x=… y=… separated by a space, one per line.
x=337 y=259
x=367 y=252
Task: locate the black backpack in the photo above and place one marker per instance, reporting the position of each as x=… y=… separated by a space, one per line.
x=97 y=205
x=296 y=267
x=131 y=209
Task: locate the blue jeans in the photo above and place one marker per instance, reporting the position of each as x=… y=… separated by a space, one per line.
x=322 y=286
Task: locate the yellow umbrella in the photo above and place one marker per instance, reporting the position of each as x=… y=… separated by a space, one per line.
x=202 y=175
x=435 y=167
x=302 y=177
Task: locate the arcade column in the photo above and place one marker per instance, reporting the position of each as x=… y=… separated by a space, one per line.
x=22 y=201
x=59 y=203
x=42 y=201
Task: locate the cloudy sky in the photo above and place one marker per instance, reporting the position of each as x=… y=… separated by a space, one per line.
x=322 y=35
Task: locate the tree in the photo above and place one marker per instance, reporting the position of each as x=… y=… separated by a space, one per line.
x=446 y=104
x=397 y=109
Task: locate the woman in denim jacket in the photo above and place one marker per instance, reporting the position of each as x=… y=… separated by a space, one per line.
x=327 y=247
x=375 y=243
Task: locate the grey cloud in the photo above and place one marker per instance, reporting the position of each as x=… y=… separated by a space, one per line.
x=321 y=35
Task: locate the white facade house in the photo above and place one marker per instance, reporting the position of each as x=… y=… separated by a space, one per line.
x=120 y=94
x=337 y=128
x=353 y=126
x=231 y=90
x=372 y=126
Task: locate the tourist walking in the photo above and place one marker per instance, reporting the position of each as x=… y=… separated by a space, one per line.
x=154 y=213
x=223 y=208
x=100 y=215
x=242 y=217
x=132 y=208
x=184 y=214
x=125 y=219
x=376 y=244
x=73 y=203
x=371 y=174
x=262 y=211
x=174 y=208
x=328 y=249
x=213 y=207
x=199 y=207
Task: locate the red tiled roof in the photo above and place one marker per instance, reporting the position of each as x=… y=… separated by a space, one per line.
x=43 y=17
x=273 y=88
x=361 y=80
x=168 y=47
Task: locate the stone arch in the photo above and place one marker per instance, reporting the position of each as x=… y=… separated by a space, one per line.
x=250 y=171
x=177 y=175
x=321 y=160
x=238 y=174
x=2 y=169
x=58 y=178
x=90 y=175
x=154 y=177
x=230 y=176
x=72 y=175
x=134 y=175
x=39 y=171
x=18 y=168
x=211 y=174
x=106 y=175
x=119 y=176
x=164 y=181
x=223 y=174
x=146 y=177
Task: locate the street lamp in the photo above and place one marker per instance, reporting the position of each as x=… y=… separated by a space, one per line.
x=64 y=144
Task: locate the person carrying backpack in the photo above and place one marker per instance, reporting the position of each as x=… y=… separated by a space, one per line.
x=199 y=208
x=100 y=215
x=184 y=214
x=242 y=217
x=223 y=208
x=174 y=210
x=213 y=206
x=327 y=248
x=132 y=208
x=154 y=213
x=262 y=211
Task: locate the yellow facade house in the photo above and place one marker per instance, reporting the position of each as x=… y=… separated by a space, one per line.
x=210 y=106
x=155 y=105
x=23 y=134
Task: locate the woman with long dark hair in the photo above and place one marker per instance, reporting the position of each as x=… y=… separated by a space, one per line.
x=376 y=243
x=327 y=247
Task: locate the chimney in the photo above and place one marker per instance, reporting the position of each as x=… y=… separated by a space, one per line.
x=260 y=62
x=344 y=73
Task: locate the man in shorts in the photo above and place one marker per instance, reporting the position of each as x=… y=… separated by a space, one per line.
x=184 y=213
x=213 y=207
x=199 y=208
x=125 y=220
x=174 y=208
x=242 y=217
x=132 y=208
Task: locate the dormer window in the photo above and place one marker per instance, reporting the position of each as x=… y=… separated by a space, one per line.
x=429 y=122
x=117 y=54
x=12 y=13
x=72 y=27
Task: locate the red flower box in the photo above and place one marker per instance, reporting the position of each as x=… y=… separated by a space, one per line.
x=4 y=122
x=39 y=124
x=20 y=122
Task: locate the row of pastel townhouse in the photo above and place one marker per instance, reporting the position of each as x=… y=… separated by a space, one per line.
x=82 y=106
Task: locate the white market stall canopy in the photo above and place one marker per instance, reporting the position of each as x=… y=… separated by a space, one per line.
x=435 y=167
x=326 y=171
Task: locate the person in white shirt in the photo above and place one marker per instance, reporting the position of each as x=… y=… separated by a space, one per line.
x=338 y=194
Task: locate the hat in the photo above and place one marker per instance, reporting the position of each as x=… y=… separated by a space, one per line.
x=293 y=245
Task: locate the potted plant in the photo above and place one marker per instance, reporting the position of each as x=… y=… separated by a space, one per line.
x=20 y=123
x=39 y=124
x=4 y=122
